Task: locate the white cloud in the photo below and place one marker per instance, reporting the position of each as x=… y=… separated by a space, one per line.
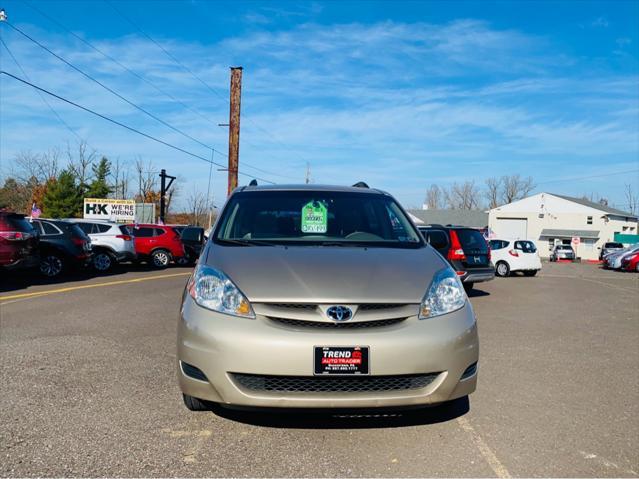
x=399 y=104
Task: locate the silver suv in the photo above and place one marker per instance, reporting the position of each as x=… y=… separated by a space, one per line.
x=112 y=243
x=322 y=297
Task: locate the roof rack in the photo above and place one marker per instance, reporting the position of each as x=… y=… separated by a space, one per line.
x=360 y=184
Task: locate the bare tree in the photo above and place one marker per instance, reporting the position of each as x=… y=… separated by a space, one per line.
x=632 y=199
x=464 y=196
x=493 y=186
x=29 y=166
x=197 y=207
x=172 y=193
x=595 y=198
x=434 y=197
x=515 y=188
x=81 y=163
x=147 y=178
x=120 y=177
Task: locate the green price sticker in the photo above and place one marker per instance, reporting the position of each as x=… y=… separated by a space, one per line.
x=314 y=218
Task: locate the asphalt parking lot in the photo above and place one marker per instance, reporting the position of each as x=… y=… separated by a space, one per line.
x=89 y=389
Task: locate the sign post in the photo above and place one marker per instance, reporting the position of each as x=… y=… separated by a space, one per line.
x=576 y=241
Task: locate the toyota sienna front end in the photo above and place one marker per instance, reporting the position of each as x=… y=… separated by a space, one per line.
x=322 y=297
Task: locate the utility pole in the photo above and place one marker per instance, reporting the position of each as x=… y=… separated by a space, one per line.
x=163 y=188
x=234 y=126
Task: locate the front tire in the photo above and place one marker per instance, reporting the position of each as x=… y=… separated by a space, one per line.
x=51 y=265
x=160 y=259
x=195 y=404
x=502 y=269
x=103 y=262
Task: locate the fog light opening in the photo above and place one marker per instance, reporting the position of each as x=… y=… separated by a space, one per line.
x=470 y=371
x=193 y=372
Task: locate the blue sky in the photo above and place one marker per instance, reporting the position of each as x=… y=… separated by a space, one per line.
x=399 y=94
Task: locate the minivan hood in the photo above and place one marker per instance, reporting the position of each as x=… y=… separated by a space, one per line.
x=330 y=274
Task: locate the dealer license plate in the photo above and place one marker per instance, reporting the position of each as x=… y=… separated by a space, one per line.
x=344 y=360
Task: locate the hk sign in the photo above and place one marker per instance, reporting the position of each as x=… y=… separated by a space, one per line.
x=106 y=209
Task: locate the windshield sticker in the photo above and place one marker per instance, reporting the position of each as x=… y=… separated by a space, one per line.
x=314 y=217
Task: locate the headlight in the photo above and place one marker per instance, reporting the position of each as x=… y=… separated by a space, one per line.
x=445 y=295
x=213 y=290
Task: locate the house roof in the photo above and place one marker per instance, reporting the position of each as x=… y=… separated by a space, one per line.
x=471 y=218
x=597 y=206
x=553 y=233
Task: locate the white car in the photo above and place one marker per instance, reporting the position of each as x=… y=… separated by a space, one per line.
x=510 y=255
x=112 y=242
x=613 y=260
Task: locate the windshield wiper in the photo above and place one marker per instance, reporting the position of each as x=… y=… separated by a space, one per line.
x=245 y=242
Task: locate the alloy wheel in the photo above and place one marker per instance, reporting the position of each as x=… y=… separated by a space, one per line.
x=51 y=266
x=160 y=259
x=102 y=262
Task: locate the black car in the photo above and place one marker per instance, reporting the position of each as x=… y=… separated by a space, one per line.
x=62 y=245
x=465 y=249
x=192 y=238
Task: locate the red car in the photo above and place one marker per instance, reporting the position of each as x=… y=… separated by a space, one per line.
x=631 y=263
x=157 y=244
x=18 y=242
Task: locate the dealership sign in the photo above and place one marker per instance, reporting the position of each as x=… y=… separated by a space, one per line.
x=107 y=209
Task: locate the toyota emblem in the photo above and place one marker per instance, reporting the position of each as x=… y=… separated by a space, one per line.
x=339 y=313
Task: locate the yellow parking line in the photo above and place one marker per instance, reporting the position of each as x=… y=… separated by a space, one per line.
x=87 y=286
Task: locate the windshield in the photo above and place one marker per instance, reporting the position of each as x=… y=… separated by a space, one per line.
x=324 y=218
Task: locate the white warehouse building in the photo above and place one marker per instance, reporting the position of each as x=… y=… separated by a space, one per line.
x=549 y=219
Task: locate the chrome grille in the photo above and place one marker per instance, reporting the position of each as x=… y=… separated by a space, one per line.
x=318 y=384
x=296 y=323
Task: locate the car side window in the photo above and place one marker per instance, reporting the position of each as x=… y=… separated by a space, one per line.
x=497 y=244
x=437 y=239
x=158 y=231
x=142 y=232
x=86 y=227
x=49 y=229
x=100 y=228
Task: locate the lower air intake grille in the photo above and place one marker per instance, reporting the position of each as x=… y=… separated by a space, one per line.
x=296 y=323
x=313 y=384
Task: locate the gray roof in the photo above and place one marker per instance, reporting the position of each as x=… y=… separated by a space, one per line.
x=551 y=233
x=597 y=206
x=472 y=218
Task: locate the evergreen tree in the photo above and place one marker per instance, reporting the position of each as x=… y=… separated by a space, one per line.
x=63 y=198
x=99 y=187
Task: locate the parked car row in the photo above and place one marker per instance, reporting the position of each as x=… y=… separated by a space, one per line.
x=57 y=245
x=624 y=259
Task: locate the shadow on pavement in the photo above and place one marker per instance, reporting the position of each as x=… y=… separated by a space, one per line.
x=19 y=280
x=346 y=419
x=476 y=293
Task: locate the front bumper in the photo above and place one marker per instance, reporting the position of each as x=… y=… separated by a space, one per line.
x=221 y=346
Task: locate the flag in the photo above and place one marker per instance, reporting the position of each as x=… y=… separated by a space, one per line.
x=35 y=211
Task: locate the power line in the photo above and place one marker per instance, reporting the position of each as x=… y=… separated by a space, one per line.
x=146 y=112
x=195 y=76
x=117 y=62
x=86 y=75
x=588 y=177
x=15 y=60
x=166 y=52
x=130 y=128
